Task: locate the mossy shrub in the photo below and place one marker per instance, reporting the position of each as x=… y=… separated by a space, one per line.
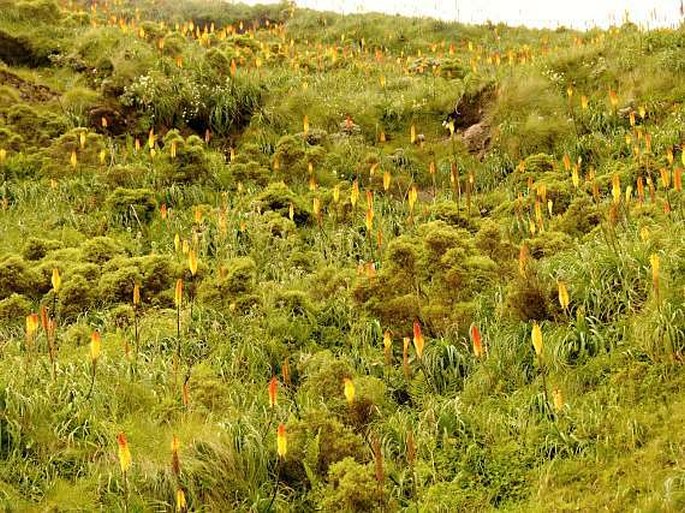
x=278 y=197
x=130 y=206
x=36 y=248
x=117 y=286
x=352 y=487
x=75 y=298
x=99 y=250
x=17 y=276
x=14 y=309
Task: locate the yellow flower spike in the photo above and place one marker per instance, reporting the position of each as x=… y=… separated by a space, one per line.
x=412 y=134
x=73 y=160
x=192 y=262
x=354 y=195
x=3 y=155
x=305 y=124
x=387 y=345
x=613 y=99
x=281 y=441
x=95 y=346
x=413 y=197
x=655 y=262
x=185 y=247
x=558 y=399
x=563 y=295
x=665 y=176
x=349 y=390
x=177 y=242
x=567 y=162
x=56 y=280
x=369 y=220
x=82 y=140
x=316 y=207
x=616 y=188
x=181 y=504
x=386 y=180
x=575 y=178
x=584 y=102
x=102 y=156
x=124 y=453
x=536 y=337
x=174 y=149
x=291 y=212
x=178 y=293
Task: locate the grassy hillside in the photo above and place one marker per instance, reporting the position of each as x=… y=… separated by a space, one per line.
x=245 y=267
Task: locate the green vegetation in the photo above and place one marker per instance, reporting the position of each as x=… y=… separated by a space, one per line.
x=246 y=268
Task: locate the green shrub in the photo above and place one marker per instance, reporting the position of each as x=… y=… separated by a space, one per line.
x=35 y=248
x=75 y=298
x=351 y=487
x=130 y=206
x=14 y=309
x=16 y=276
x=99 y=250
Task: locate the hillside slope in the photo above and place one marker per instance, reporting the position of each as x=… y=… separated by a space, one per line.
x=246 y=267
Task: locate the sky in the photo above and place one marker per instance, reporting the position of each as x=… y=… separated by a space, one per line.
x=580 y=14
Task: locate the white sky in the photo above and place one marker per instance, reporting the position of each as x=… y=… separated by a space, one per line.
x=579 y=14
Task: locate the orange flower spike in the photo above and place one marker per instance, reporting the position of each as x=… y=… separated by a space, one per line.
x=95 y=346
x=124 y=453
x=678 y=179
x=281 y=441
x=273 y=392
x=477 y=342
x=418 y=339
x=163 y=212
